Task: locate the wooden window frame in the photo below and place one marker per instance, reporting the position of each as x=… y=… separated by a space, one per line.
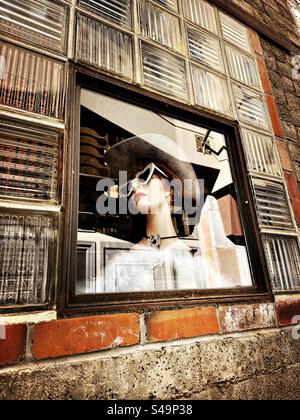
x=68 y=303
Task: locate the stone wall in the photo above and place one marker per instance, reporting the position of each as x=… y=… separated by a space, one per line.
x=262 y=365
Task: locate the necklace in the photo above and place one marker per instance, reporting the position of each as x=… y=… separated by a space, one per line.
x=155 y=240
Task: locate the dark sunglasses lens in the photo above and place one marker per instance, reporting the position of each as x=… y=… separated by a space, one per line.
x=144 y=176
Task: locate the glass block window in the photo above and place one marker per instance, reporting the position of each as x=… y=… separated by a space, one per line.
x=283 y=254
x=206 y=49
x=160 y=26
x=242 y=67
x=117 y=11
x=235 y=33
x=211 y=91
x=250 y=106
x=104 y=47
x=27 y=255
x=31 y=82
x=272 y=204
x=29 y=161
x=169 y=4
x=164 y=72
x=201 y=13
x=39 y=22
x=261 y=153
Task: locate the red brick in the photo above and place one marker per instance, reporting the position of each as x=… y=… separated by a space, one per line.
x=284 y=156
x=184 y=323
x=13 y=346
x=294 y=194
x=256 y=42
x=84 y=335
x=287 y=311
x=276 y=123
x=264 y=76
x=247 y=317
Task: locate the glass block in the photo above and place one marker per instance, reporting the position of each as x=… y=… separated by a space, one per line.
x=40 y=22
x=32 y=82
x=242 y=67
x=160 y=26
x=211 y=91
x=104 y=47
x=27 y=255
x=283 y=255
x=29 y=160
x=169 y=4
x=272 y=204
x=261 y=153
x=164 y=72
x=117 y=11
x=201 y=13
x=250 y=106
x=234 y=32
x=206 y=49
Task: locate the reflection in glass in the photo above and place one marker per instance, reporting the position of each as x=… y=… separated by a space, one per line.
x=160 y=26
x=261 y=153
x=211 y=91
x=250 y=106
x=206 y=49
x=27 y=246
x=29 y=160
x=31 y=82
x=104 y=47
x=201 y=13
x=118 y=11
x=39 y=22
x=234 y=32
x=164 y=72
x=242 y=67
x=171 y=235
x=169 y=4
x=272 y=204
x=284 y=261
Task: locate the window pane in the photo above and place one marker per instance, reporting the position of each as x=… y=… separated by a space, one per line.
x=201 y=13
x=27 y=254
x=32 y=82
x=164 y=72
x=104 y=47
x=272 y=204
x=29 y=159
x=138 y=233
x=235 y=33
x=206 y=49
x=118 y=11
x=160 y=26
x=211 y=91
x=261 y=153
x=170 y=4
x=242 y=67
x=250 y=106
x=40 y=22
x=284 y=262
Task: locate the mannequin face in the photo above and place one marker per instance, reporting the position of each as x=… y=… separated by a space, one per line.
x=151 y=198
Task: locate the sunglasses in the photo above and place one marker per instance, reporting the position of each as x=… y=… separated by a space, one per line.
x=142 y=178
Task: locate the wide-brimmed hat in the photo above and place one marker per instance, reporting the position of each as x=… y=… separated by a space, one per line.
x=128 y=154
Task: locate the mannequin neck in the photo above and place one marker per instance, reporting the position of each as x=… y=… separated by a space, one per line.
x=161 y=223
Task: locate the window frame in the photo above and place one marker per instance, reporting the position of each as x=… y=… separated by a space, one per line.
x=67 y=301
